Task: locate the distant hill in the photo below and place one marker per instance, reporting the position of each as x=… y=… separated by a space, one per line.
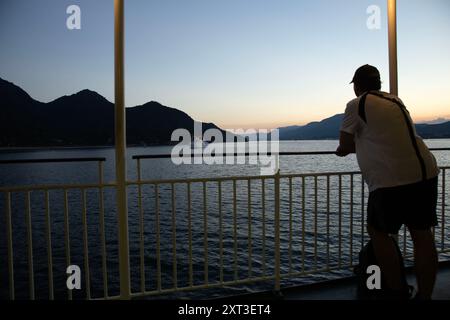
x=82 y=119
x=329 y=129
x=434 y=131
x=435 y=121
x=325 y=129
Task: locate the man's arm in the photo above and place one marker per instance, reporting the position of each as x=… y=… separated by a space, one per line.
x=346 y=144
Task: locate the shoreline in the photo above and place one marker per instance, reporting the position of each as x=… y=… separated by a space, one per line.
x=81 y=147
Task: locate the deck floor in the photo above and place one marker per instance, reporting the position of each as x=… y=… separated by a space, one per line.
x=346 y=288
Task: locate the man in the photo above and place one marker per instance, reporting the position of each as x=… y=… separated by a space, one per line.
x=401 y=174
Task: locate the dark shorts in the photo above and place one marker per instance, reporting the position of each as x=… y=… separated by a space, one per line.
x=413 y=205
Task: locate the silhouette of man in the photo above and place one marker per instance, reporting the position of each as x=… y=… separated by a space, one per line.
x=401 y=174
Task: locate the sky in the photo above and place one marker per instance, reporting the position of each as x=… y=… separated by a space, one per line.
x=237 y=63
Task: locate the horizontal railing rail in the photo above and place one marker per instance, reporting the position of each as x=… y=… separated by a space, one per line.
x=54 y=187
x=247 y=154
x=236 y=154
x=51 y=160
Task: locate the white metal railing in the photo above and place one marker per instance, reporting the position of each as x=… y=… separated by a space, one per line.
x=46 y=189
x=289 y=270
x=224 y=231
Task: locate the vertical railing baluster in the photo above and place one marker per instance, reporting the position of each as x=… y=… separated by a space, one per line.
x=174 y=240
x=443 y=212
x=303 y=224
x=141 y=227
x=340 y=223
x=85 y=245
x=328 y=222
x=158 y=241
x=102 y=231
x=290 y=226
x=351 y=220
x=277 y=233
x=220 y=232
x=49 y=246
x=67 y=236
x=249 y=230
x=263 y=199
x=191 y=268
x=315 y=222
x=234 y=231
x=205 y=234
x=30 y=246
x=10 y=245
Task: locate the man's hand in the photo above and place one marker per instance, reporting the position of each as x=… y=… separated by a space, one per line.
x=346 y=144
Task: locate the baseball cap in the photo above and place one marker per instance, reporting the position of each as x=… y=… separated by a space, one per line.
x=366 y=72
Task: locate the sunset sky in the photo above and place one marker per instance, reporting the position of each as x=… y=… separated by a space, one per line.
x=237 y=63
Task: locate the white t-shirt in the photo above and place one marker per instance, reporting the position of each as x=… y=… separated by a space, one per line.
x=384 y=148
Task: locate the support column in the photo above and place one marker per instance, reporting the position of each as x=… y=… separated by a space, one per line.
x=121 y=149
x=392 y=30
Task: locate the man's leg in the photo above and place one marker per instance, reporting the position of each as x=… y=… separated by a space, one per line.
x=387 y=257
x=426 y=261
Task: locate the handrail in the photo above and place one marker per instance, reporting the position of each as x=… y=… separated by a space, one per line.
x=62 y=160
x=166 y=156
x=247 y=154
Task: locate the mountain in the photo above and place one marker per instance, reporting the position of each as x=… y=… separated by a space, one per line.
x=155 y=123
x=82 y=119
x=435 y=121
x=325 y=129
x=434 y=131
x=329 y=129
x=18 y=116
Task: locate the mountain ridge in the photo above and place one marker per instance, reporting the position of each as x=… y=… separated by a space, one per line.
x=329 y=129
x=85 y=118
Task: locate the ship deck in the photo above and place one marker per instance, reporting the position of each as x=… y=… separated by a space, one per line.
x=346 y=288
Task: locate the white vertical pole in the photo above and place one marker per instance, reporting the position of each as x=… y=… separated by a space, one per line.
x=392 y=30
x=120 y=141
x=393 y=66
x=277 y=234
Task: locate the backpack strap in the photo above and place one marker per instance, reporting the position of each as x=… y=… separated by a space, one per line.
x=362 y=107
x=408 y=123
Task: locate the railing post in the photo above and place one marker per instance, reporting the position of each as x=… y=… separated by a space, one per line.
x=392 y=31
x=9 y=238
x=120 y=141
x=277 y=233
